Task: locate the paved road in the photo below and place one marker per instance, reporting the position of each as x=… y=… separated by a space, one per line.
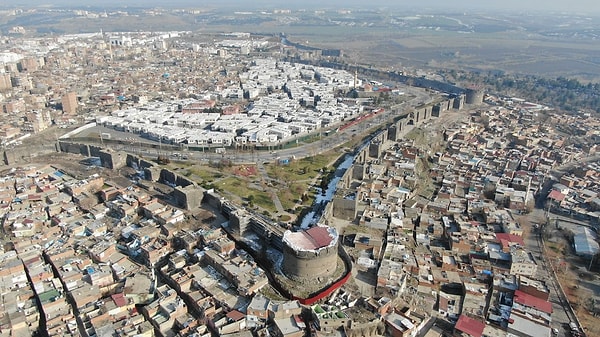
x=562 y=314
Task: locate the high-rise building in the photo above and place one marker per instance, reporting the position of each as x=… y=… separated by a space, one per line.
x=28 y=64
x=69 y=103
x=5 y=82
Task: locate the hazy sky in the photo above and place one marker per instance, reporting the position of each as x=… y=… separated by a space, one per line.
x=583 y=6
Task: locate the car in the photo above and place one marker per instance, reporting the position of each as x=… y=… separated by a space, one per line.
x=554 y=331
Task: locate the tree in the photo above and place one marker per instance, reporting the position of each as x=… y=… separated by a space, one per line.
x=163 y=160
x=590 y=304
x=250 y=200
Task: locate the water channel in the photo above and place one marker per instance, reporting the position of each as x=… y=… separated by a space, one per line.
x=321 y=200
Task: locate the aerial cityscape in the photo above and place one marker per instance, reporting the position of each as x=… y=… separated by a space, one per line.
x=251 y=169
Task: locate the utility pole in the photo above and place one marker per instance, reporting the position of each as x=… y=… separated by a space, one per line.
x=159 y=145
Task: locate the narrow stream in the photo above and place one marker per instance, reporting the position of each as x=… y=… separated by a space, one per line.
x=321 y=200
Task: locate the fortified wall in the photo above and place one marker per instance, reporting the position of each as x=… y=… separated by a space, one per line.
x=345 y=208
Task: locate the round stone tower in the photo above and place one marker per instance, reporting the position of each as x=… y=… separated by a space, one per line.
x=310 y=254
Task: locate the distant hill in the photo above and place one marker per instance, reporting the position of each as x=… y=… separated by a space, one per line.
x=585 y=6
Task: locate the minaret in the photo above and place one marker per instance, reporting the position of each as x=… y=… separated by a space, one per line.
x=355 y=77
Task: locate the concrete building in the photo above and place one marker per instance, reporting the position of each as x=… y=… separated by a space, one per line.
x=258 y=311
x=69 y=103
x=5 y=82
x=522 y=263
x=398 y=325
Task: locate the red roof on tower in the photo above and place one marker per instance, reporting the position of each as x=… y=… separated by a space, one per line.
x=319 y=236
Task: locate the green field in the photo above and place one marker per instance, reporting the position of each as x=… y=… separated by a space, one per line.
x=293 y=180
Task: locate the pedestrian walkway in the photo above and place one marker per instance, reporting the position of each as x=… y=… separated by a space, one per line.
x=272 y=191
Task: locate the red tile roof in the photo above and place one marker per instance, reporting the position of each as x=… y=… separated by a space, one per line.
x=119 y=299
x=511 y=238
x=235 y=315
x=556 y=195
x=319 y=236
x=470 y=326
x=311 y=239
x=533 y=302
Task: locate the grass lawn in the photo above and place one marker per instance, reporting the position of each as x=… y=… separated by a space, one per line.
x=264 y=201
x=206 y=173
x=239 y=189
x=290 y=197
x=301 y=169
x=241 y=183
x=293 y=180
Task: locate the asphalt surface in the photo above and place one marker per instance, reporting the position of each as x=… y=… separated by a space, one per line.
x=562 y=313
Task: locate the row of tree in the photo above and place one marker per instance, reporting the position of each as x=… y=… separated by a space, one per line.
x=562 y=93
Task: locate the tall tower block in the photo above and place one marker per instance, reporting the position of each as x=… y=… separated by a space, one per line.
x=69 y=103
